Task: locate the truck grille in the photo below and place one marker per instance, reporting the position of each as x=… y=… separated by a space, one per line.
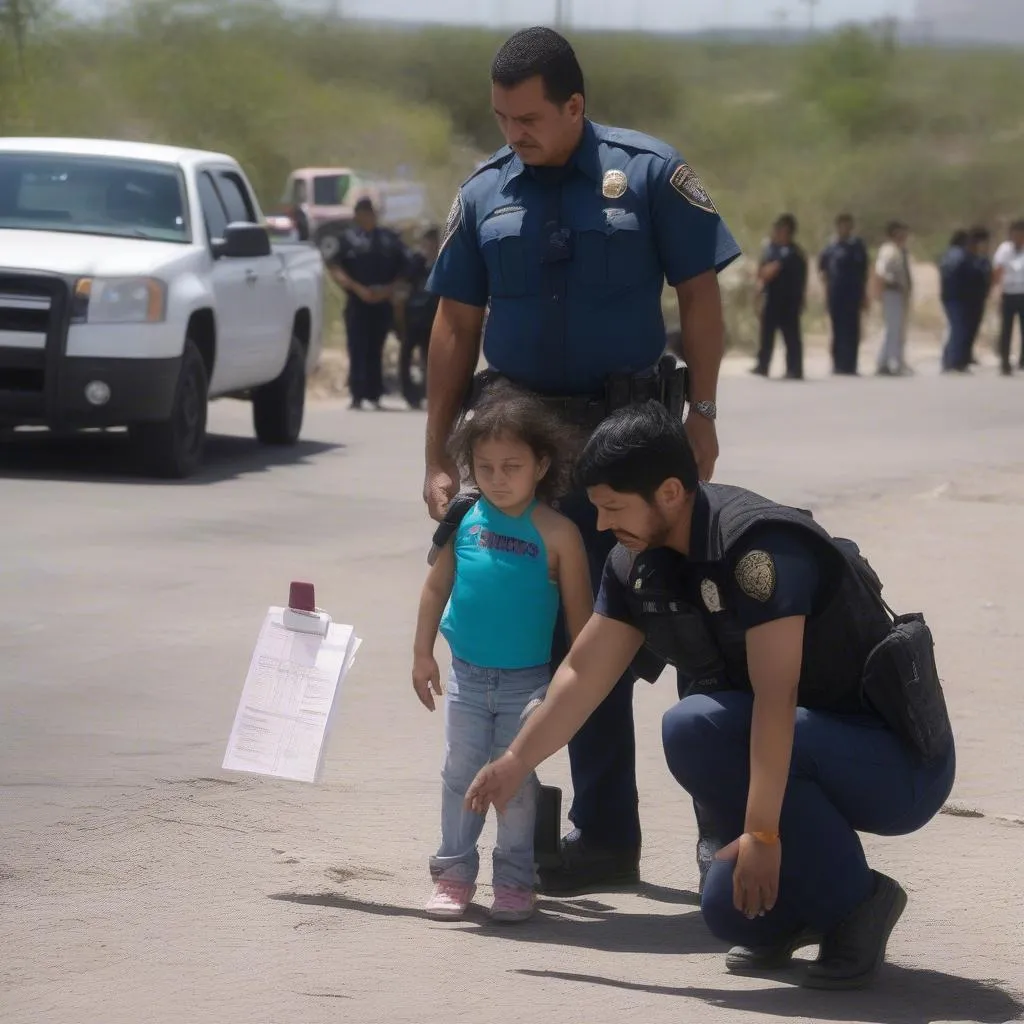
x=30 y=330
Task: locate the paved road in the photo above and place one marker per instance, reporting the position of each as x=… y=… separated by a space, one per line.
x=138 y=882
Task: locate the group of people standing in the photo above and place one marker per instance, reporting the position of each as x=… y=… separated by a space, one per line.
x=851 y=279
x=969 y=274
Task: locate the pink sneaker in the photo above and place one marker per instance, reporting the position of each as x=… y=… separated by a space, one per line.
x=512 y=903
x=449 y=900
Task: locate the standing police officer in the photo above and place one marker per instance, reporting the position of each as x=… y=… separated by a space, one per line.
x=782 y=276
x=843 y=266
x=368 y=263
x=418 y=314
x=814 y=713
x=566 y=236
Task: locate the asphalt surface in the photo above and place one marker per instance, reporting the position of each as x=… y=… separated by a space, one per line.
x=140 y=882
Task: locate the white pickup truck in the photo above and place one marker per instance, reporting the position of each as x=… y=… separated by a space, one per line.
x=139 y=281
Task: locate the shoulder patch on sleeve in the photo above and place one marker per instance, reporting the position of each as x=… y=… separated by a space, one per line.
x=755 y=574
x=453 y=222
x=685 y=181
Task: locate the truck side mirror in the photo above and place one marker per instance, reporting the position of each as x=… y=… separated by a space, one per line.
x=242 y=241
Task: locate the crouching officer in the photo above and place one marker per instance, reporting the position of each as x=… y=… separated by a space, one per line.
x=565 y=238
x=814 y=711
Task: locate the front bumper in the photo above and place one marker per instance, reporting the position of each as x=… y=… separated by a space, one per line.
x=44 y=385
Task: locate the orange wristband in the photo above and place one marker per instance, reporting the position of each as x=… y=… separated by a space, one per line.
x=768 y=838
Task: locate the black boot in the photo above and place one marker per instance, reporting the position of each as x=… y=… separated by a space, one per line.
x=853 y=951
x=741 y=959
x=584 y=868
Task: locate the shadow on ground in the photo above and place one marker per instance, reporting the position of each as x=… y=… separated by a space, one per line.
x=585 y=924
x=107 y=457
x=900 y=995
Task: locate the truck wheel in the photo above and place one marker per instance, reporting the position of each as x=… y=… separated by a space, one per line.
x=173 y=448
x=278 y=407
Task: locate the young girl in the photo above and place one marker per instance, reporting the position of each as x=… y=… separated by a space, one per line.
x=494 y=594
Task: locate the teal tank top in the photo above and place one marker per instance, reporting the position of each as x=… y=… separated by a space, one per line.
x=503 y=605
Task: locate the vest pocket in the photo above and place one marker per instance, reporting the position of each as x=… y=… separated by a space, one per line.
x=610 y=251
x=504 y=253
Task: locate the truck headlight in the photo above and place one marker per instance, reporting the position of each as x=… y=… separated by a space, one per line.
x=119 y=300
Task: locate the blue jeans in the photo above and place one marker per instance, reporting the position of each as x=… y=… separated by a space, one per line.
x=848 y=773
x=481 y=718
x=956 y=354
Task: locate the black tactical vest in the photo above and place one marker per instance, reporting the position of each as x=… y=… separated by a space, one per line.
x=709 y=647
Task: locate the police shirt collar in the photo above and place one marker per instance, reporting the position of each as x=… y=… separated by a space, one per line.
x=586 y=158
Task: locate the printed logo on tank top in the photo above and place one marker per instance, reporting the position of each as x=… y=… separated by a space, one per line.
x=501 y=542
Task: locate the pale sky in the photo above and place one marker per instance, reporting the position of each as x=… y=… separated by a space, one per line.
x=682 y=15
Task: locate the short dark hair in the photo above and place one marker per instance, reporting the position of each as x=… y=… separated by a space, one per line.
x=635 y=450
x=506 y=411
x=979 y=233
x=786 y=220
x=844 y=218
x=959 y=238
x=1017 y=225
x=894 y=227
x=364 y=205
x=539 y=51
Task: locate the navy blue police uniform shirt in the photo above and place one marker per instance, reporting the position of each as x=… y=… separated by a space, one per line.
x=785 y=293
x=844 y=262
x=376 y=257
x=773 y=573
x=955 y=274
x=571 y=262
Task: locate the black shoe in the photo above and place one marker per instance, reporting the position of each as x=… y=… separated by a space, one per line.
x=741 y=959
x=707 y=847
x=585 y=868
x=356 y=405
x=853 y=951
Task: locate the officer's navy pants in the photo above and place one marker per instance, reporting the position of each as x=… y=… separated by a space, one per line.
x=956 y=354
x=788 y=322
x=602 y=754
x=844 y=311
x=848 y=773
x=366 y=330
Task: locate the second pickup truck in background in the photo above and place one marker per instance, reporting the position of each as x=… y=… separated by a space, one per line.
x=137 y=282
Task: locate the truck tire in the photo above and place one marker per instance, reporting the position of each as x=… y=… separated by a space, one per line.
x=173 y=448
x=278 y=407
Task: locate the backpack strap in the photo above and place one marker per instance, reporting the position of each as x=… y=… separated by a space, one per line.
x=456 y=512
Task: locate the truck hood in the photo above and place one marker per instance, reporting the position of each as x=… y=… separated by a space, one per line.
x=77 y=255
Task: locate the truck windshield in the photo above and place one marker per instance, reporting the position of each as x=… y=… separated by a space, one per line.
x=93 y=195
x=330 y=189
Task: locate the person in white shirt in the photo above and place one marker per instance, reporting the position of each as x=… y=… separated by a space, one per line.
x=1009 y=274
x=893 y=285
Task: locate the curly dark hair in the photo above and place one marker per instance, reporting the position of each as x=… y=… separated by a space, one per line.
x=506 y=411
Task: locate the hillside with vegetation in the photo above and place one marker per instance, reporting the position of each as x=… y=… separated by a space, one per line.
x=845 y=121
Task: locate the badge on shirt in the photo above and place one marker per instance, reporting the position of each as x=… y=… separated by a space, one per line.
x=614 y=184
x=755 y=574
x=453 y=222
x=685 y=181
x=711 y=596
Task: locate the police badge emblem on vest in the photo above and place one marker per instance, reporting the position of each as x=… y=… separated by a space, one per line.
x=614 y=184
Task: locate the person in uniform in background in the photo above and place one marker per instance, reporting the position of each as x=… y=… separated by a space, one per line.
x=782 y=279
x=566 y=237
x=795 y=735
x=368 y=264
x=843 y=266
x=978 y=240
x=893 y=284
x=420 y=309
x=1009 y=273
x=954 y=272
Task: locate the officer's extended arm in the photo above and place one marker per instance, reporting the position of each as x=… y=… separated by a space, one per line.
x=774 y=657
x=703 y=328
x=595 y=662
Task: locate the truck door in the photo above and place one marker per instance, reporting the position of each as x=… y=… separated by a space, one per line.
x=269 y=333
x=234 y=303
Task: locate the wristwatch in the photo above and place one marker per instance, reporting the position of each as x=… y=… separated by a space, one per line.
x=709 y=410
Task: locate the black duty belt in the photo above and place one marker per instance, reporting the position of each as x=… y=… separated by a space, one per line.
x=665 y=383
